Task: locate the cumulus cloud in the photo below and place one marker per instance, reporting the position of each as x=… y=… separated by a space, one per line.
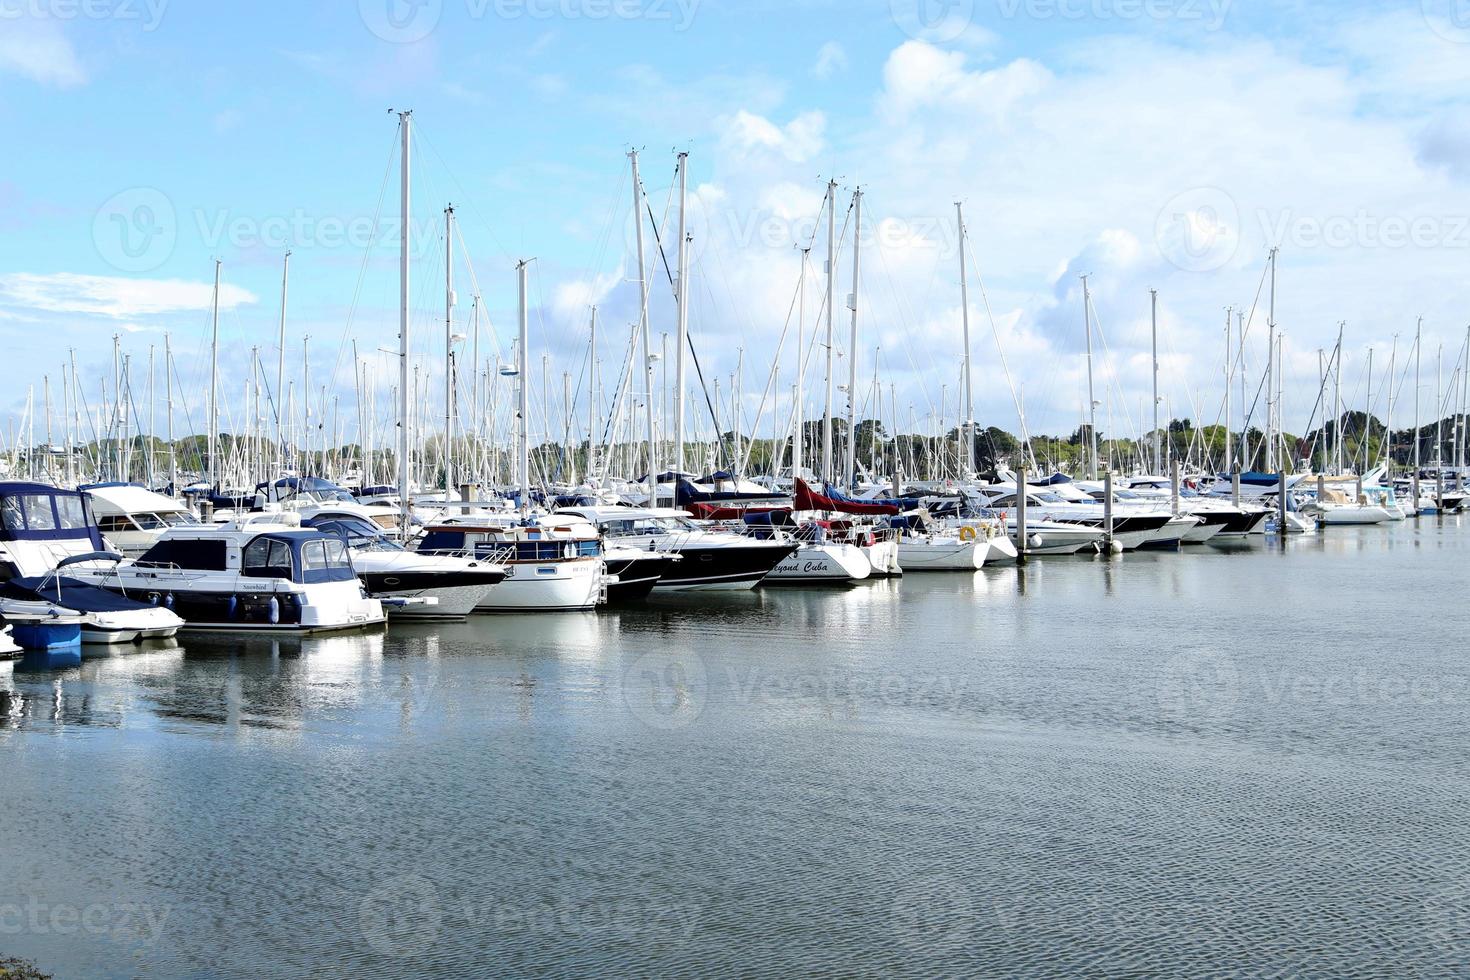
x=36 y=48
x=114 y=297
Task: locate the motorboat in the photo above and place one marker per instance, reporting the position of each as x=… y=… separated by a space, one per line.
x=259 y=573
x=449 y=586
x=552 y=562
x=709 y=557
x=131 y=518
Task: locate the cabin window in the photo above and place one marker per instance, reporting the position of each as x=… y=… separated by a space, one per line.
x=183 y=553
x=39 y=515
x=148 y=522
x=266 y=558
x=325 y=561
x=72 y=513
x=115 y=522
x=443 y=541
x=10 y=514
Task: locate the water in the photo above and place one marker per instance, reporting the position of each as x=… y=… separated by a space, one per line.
x=1233 y=761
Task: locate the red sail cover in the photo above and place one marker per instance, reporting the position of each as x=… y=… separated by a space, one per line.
x=809 y=499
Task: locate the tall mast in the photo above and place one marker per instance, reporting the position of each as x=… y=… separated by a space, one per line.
x=1439 y=406
x=969 y=395
x=591 y=397
x=1091 y=399
x=1368 y=415
x=681 y=339
x=1337 y=406
x=1153 y=306
x=1271 y=403
x=448 y=352
x=643 y=330
x=405 y=125
x=1245 y=439
x=1229 y=455
x=305 y=437
x=849 y=469
x=798 y=447
x=1460 y=415
x=831 y=282
x=281 y=362
x=1393 y=356
x=523 y=437
x=1418 y=361
x=214 y=382
x=168 y=407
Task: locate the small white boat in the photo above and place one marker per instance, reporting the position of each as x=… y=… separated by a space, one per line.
x=819 y=562
x=942 y=552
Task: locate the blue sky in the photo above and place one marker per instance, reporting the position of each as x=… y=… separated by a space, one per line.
x=144 y=141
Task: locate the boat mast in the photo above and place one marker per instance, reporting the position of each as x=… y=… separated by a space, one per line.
x=968 y=426
x=798 y=446
x=448 y=352
x=1091 y=398
x=405 y=125
x=849 y=469
x=523 y=437
x=1418 y=361
x=1271 y=402
x=591 y=398
x=681 y=339
x=1393 y=355
x=1337 y=405
x=280 y=392
x=1229 y=455
x=831 y=283
x=214 y=382
x=643 y=330
x=1439 y=406
x=1153 y=313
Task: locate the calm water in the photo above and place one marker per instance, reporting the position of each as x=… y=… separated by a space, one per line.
x=1233 y=761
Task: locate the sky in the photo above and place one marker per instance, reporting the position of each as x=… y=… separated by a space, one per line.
x=1150 y=144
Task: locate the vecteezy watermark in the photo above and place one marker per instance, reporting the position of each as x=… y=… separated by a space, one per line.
x=666 y=690
x=1450 y=19
x=1198 y=230
x=138 y=229
x=940 y=21
x=1198 y=685
x=1210 y=14
x=135 y=230
x=406 y=916
x=408 y=21
x=933 y=912
x=148 y=13
x=849 y=690
x=134 y=921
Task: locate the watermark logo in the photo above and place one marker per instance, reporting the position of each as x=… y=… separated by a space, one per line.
x=1198 y=230
x=934 y=21
x=665 y=690
x=1198 y=684
x=135 y=230
x=1450 y=19
x=400 y=21
x=149 y=13
x=401 y=917
x=933 y=912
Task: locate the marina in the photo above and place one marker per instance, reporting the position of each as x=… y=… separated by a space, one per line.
x=673 y=488
x=899 y=773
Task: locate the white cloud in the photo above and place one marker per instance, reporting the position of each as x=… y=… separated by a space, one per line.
x=37 y=48
x=114 y=297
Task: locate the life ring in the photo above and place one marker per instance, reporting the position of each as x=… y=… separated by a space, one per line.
x=967 y=533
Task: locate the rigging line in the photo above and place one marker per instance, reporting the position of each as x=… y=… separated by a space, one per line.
x=770 y=384
x=366 y=254
x=1000 y=350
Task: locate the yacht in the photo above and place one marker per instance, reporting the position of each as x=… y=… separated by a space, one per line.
x=450 y=586
x=1132 y=527
x=1219 y=518
x=259 y=573
x=131 y=518
x=552 y=563
x=708 y=558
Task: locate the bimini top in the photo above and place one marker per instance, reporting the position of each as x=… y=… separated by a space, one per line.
x=36 y=512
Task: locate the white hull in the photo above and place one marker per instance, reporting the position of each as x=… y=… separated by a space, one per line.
x=1056 y=538
x=883 y=557
x=454 y=602
x=1353 y=515
x=546 y=587
x=1201 y=533
x=942 y=554
x=835 y=563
